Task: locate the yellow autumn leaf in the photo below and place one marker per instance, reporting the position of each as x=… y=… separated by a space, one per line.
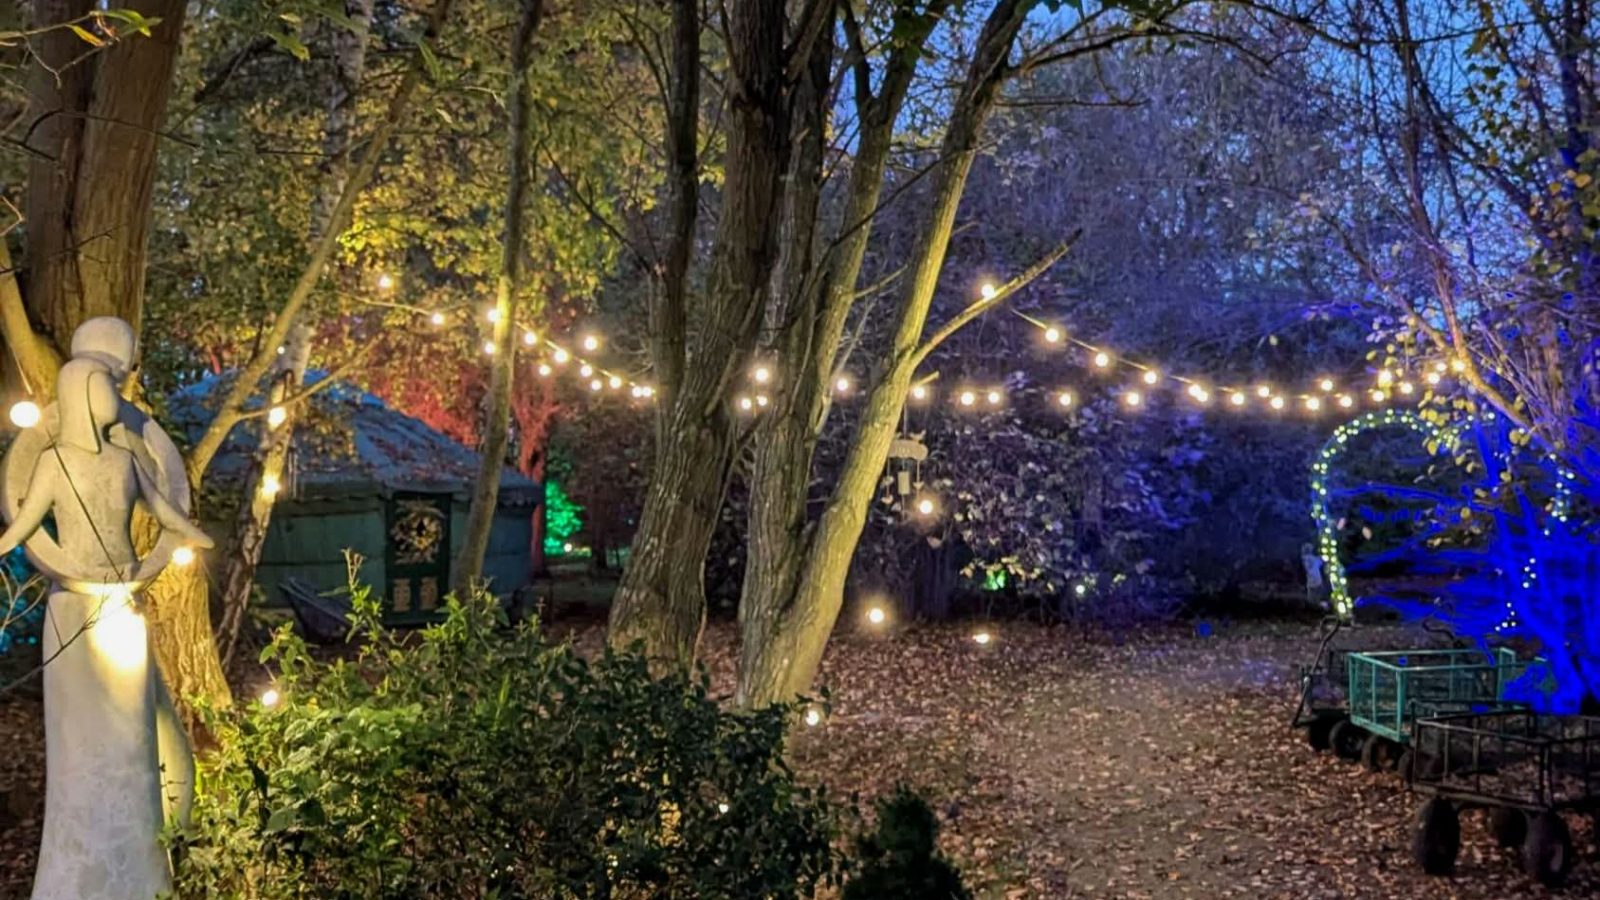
x=88 y=36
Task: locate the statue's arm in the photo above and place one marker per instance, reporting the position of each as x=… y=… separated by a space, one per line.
x=35 y=506
x=170 y=517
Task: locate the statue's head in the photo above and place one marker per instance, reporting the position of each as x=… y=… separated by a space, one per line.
x=109 y=341
x=87 y=401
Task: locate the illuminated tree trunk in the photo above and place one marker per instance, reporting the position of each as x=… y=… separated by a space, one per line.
x=243 y=555
x=468 y=569
x=785 y=639
x=661 y=601
x=811 y=326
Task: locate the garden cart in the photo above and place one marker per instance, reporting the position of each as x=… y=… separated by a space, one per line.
x=1526 y=768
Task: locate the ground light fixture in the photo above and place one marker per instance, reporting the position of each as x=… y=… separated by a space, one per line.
x=982 y=638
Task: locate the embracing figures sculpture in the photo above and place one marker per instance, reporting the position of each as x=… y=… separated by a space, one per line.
x=116 y=761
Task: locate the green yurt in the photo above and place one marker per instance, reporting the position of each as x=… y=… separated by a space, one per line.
x=364 y=477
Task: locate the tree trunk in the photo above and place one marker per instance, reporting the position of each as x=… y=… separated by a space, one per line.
x=661 y=601
x=810 y=330
x=468 y=570
x=780 y=661
x=255 y=509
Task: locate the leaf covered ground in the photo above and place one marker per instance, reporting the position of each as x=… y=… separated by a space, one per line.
x=1157 y=767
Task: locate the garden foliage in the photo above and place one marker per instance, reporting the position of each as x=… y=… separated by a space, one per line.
x=468 y=761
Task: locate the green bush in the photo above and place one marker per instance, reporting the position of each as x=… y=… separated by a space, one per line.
x=468 y=761
x=900 y=860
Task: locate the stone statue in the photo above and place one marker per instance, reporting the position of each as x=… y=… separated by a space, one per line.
x=1313 y=566
x=110 y=734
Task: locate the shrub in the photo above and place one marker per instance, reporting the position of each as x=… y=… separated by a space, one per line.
x=467 y=761
x=900 y=859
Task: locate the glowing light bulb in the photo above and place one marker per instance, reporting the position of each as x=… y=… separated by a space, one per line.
x=1313 y=403
x=437 y=318
x=270 y=485
x=1102 y=359
x=270 y=697
x=1264 y=391
x=762 y=374
x=545 y=370
x=117 y=631
x=842 y=384
x=1236 y=398
x=1433 y=378
x=488 y=347
x=1379 y=396
x=561 y=355
x=982 y=638
x=918 y=392
x=746 y=404
x=591 y=343
x=277 y=416
x=1346 y=401
x=1326 y=384
x=877 y=616
x=596 y=384
x=967 y=398
x=1052 y=335
x=993 y=397
x=646 y=391
x=586 y=370
x=1441 y=366
x=1406 y=388
x=1277 y=403
x=1458 y=365
x=530 y=338
x=813 y=717
x=385 y=281
x=1152 y=376
x=1199 y=393
x=493 y=314
x=926 y=506
x=25 y=414
x=1385 y=377
x=723 y=808
x=1064 y=398
x=615 y=381
x=988 y=291
x=183 y=556
x=1133 y=398
x=761 y=400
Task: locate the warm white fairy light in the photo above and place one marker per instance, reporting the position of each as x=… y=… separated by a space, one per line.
x=1199 y=393
x=1458 y=365
x=1326 y=384
x=545 y=370
x=385 y=281
x=1276 y=403
x=591 y=343
x=926 y=506
x=276 y=416
x=1441 y=367
x=1433 y=378
x=270 y=697
x=646 y=391
x=877 y=616
x=745 y=403
x=437 y=318
x=1379 y=396
x=1133 y=398
x=530 y=338
x=615 y=381
x=1151 y=376
x=586 y=370
x=1385 y=377
x=25 y=414
x=967 y=398
x=1236 y=398
x=1064 y=398
x=1406 y=388
x=1346 y=401
x=813 y=717
x=918 y=392
x=762 y=400
x=1052 y=335
x=493 y=314
x=842 y=384
x=596 y=384
x=1313 y=403
x=561 y=355
x=183 y=556
x=988 y=291
x=761 y=374
x=1102 y=359
x=993 y=397
x=488 y=347
x=982 y=638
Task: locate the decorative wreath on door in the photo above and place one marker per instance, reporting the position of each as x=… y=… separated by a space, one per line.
x=417 y=532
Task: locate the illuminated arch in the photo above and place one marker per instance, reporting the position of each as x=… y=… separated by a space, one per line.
x=1327 y=530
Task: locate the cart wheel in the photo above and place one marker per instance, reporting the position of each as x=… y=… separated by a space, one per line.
x=1509 y=826
x=1437 y=838
x=1547 y=850
x=1403 y=764
x=1378 y=753
x=1346 y=738
x=1318 y=732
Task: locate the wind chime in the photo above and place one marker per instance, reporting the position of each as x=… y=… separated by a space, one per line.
x=906 y=455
